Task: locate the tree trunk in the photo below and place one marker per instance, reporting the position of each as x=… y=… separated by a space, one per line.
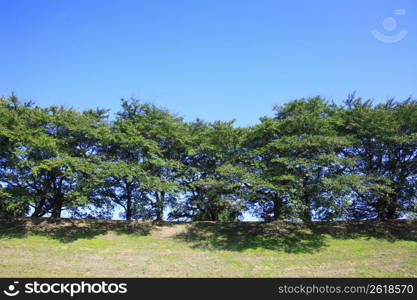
x=39 y=210
x=387 y=209
x=58 y=198
x=392 y=205
x=392 y=212
x=388 y=212
x=129 y=209
x=57 y=207
x=129 y=202
x=306 y=214
x=277 y=209
x=160 y=199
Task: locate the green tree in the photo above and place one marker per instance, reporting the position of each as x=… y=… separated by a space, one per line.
x=267 y=184
x=385 y=151
x=140 y=154
x=296 y=157
x=213 y=173
x=52 y=157
x=12 y=129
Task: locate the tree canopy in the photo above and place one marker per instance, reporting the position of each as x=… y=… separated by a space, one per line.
x=312 y=160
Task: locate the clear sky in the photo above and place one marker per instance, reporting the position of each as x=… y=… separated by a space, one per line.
x=210 y=59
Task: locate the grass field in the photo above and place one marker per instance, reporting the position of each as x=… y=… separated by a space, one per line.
x=93 y=248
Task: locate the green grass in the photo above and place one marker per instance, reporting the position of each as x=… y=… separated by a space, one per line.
x=71 y=248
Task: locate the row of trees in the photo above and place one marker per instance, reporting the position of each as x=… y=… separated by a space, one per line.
x=313 y=160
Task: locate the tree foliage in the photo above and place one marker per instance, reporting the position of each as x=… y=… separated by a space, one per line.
x=313 y=160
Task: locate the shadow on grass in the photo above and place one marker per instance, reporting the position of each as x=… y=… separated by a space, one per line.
x=233 y=236
x=67 y=230
x=392 y=230
x=290 y=238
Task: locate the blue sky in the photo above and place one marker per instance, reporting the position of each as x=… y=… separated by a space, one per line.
x=210 y=59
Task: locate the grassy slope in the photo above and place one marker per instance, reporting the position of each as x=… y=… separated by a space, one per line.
x=73 y=248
